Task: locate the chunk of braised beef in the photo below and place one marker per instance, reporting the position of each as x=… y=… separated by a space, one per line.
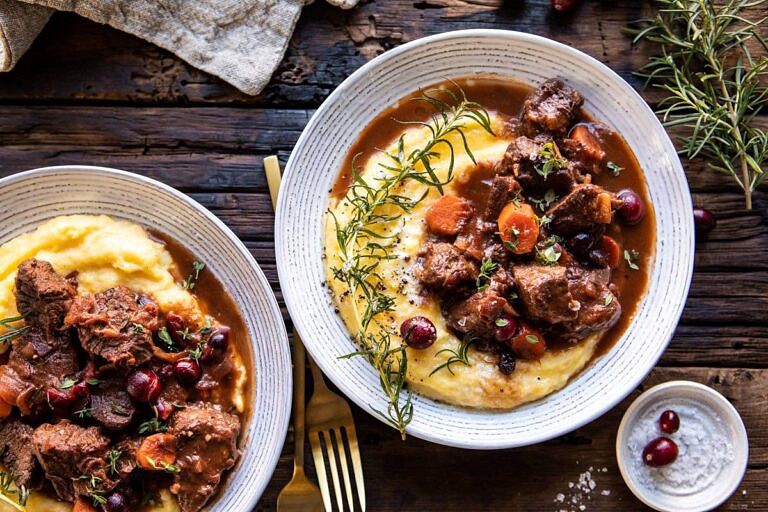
x=526 y=159
x=543 y=289
x=599 y=308
x=17 y=454
x=66 y=451
x=502 y=282
x=111 y=406
x=477 y=315
x=207 y=446
x=115 y=325
x=39 y=362
x=42 y=295
x=504 y=189
x=584 y=209
x=444 y=268
x=553 y=106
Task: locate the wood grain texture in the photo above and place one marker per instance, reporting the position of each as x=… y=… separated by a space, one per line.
x=88 y=94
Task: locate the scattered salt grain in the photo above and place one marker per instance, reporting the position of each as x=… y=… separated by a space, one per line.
x=580 y=493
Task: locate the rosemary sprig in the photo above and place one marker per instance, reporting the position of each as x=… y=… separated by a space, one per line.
x=11 y=331
x=713 y=83
x=368 y=236
x=459 y=356
x=7 y=490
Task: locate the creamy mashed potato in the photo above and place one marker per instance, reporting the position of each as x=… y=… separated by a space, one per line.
x=480 y=385
x=105 y=253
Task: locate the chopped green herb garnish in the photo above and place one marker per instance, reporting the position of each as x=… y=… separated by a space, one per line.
x=165 y=337
x=67 y=383
x=607 y=299
x=549 y=161
x=631 y=258
x=138 y=328
x=168 y=468
x=614 y=168
x=112 y=459
x=191 y=281
x=502 y=322
x=152 y=426
x=487 y=267
x=531 y=338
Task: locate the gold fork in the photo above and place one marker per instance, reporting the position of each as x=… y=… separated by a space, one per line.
x=330 y=424
x=299 y=495
x=328 y=415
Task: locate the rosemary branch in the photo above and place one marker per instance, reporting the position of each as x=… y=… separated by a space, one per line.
x=11 y=331
x=371 y=232
x=713 y=83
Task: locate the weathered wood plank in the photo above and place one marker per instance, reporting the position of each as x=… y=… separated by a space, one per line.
x=85 y=61
x=407 y=476
x=211 y=148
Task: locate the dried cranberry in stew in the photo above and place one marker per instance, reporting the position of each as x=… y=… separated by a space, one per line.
x=89 y=378
x=535 y=263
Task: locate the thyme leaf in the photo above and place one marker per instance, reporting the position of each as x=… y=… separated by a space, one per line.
x=631 y=258
x=191 y=281
x=487 y=267
x=614 y=168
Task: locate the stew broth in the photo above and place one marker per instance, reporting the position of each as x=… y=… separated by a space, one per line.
x=506 y=97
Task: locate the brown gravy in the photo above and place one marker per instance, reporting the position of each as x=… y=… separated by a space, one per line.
x=506 y=97
x=216 y=302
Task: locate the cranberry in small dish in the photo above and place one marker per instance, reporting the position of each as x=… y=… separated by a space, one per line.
x=496 y=246
x=122 y=385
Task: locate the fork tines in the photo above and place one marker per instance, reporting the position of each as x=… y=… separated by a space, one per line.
x=333 y=447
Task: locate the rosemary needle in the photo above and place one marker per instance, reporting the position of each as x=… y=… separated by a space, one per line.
x=362 y=243
x=713 y=82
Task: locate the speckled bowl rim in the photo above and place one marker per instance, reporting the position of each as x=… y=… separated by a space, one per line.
x=281 y=369
x=726 y=411
x=298 y=307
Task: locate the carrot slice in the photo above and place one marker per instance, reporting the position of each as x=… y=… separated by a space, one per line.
x=82 y=505
x=448 y=215
x=589 y=142
x=157 y=452
x=518 y=227
x=529 y=342
x=612 y=250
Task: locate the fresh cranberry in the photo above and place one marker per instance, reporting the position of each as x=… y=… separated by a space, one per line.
x=175 y=324
x=64 y=402
x=116 y=502
x=163 y=410
x=418 y=332
x=187 y=371
x=581 y=243
x=660 y=452
x=144 y=386
x=506 y=328
x=632 y=209
x=704 y=220
x=564 y=5
x=219 y=339
x=165 y=372
x=669 y=422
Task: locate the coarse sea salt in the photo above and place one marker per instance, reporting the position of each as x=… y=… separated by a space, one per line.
x=705 y=448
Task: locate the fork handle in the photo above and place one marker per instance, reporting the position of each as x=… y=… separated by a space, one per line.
x=317 y=374
x=299 y=370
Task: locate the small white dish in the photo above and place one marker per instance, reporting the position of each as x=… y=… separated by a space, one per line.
x=315 y=163
x=707 y=409
x=30 y=198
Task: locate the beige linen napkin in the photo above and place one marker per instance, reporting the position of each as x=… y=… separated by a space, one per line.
x=240 y=41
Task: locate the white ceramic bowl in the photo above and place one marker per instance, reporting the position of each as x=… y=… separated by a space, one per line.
x=30 y=198
x=719 y=412
x=315 y=163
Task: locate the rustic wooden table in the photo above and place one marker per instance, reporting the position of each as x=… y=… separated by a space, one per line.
x=87 y=94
